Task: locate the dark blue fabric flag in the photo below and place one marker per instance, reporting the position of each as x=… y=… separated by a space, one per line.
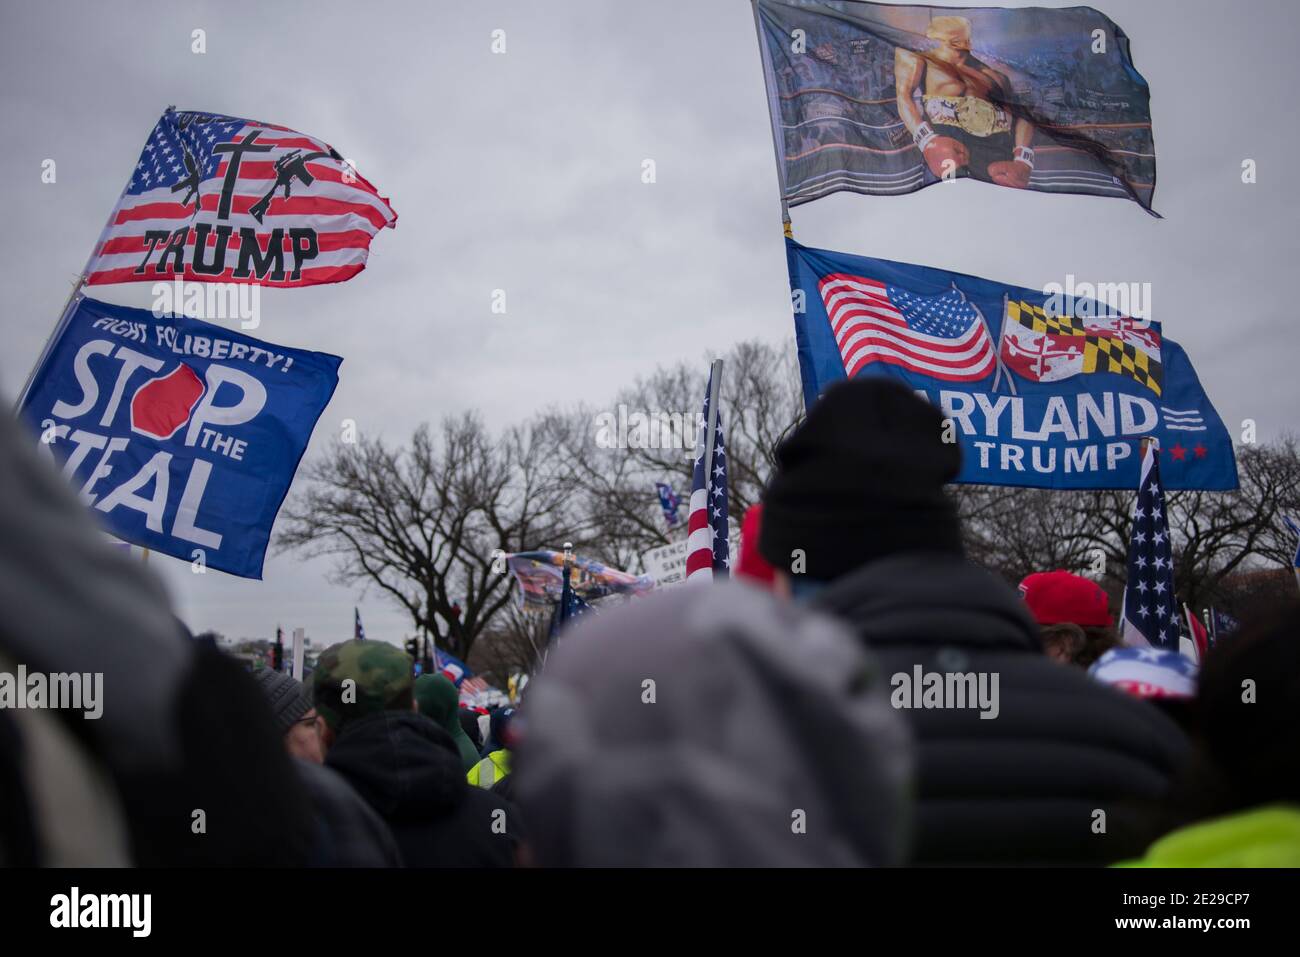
x=1041 y=390
x=1150 y=613
x=669 y=502
x=182 y=436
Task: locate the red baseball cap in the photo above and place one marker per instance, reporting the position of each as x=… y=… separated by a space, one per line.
x=1059 y=596
x=753 y=565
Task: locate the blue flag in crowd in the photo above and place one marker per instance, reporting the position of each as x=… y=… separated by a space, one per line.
x=182 y=436
x=669 y=502
x=1042 y=390
x=570 y=607
x=1295 y=530
x=1150 y=615
x=452 y=667
x=1222 y=625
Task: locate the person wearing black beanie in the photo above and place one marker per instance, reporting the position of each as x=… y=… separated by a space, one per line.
x=857 y=523
x=861 y=478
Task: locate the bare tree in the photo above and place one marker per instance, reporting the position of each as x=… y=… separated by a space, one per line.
x=761 y=403
x=426 y=524
x=1216 y=535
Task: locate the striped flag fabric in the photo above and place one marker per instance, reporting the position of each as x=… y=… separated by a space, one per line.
x=943 y=336
x=219 y=199
x=1150 y=615
x=707 y=545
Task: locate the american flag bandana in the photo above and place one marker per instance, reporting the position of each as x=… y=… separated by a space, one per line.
x=219 y=199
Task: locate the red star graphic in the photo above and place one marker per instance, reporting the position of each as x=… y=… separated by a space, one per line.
x=1178 y=452
x=1200 y=450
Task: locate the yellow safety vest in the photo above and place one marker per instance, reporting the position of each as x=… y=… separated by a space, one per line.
x=490 y=770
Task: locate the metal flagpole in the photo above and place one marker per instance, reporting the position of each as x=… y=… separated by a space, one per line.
x=773 y=111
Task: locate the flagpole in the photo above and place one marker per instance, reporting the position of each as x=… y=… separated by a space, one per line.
x=772 y=112
x=711 y=433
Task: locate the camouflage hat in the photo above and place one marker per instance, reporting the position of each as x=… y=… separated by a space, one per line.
x=356 y=678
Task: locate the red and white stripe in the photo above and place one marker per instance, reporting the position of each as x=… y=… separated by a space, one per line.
x=699 y=537
x=869 y=328
x=341 y=205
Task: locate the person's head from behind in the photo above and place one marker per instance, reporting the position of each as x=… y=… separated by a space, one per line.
x=614 y=760
x=354 y=679
x=295 y=717
x=861 y=479
x=1074 y=615
x=1247 y=710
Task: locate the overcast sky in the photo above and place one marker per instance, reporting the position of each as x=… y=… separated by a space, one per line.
x=522 y=172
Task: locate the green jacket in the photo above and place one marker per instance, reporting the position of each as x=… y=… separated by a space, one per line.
x=1263 y=837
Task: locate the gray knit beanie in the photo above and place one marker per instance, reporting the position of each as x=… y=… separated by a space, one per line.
x=286 y=695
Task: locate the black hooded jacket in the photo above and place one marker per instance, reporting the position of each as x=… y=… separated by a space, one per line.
x=1023 y=787
x=409 y=770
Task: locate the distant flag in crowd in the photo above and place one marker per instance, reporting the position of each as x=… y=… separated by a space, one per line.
x=1295 y=530
x=942 y=336
x=218 y=199
x=570 y=607
x=455 y=670
x=1200 y=638
x=707 y=547
x=886 y=99
x=1150 y=615
x=358 y=630
x=669 y=502
x=1222 y=625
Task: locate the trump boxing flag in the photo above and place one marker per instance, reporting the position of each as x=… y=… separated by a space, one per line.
x=218 y=199
x=886 y=99
x=182 y=436
x=1048 y=391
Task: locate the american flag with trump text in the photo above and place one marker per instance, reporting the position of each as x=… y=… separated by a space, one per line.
x=1150 y=615
x=219 y=199
x=707 y=544
x=943 y=336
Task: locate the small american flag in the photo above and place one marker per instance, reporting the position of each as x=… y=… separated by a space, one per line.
x=219 y=199
x=358 y=630
x=1150 y=615
x=707 y=548
x=941 y=336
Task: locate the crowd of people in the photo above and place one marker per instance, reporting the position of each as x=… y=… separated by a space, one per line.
x=862 y=695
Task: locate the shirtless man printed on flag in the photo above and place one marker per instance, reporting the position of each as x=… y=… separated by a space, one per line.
x=962 y=122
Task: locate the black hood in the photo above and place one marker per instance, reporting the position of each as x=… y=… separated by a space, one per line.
x=403 y=764
x=923 y=597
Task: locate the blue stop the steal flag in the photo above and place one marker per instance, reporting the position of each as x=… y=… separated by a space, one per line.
x=1039 y=391
x=182 y=436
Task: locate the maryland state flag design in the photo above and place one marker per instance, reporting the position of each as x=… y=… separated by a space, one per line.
x=1042 y=347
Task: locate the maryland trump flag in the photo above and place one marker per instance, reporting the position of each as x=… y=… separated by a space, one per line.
x=885 y=99
x=1039 y=390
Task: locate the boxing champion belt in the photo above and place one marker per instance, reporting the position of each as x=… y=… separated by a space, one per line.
x=980 y=117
